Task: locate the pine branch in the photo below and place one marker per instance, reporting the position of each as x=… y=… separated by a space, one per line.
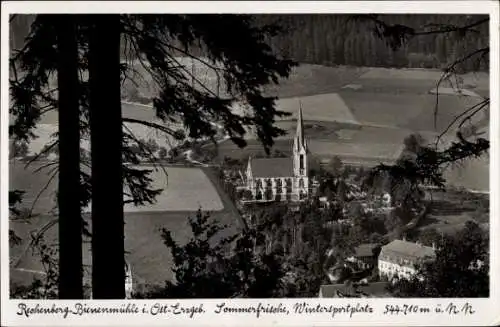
x=475 y=109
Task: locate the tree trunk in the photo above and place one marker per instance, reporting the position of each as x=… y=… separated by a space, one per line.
x=108 y=262
x=70 y=220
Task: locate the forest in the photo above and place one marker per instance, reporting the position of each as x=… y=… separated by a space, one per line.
x=342 y=40
x=335 y=39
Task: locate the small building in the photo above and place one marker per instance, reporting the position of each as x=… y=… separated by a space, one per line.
x=399 y=258
x=368 y=290
x=364 y=256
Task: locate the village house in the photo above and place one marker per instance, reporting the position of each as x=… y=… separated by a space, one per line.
x=281 y=179
x=399 y=258
x=364 y=256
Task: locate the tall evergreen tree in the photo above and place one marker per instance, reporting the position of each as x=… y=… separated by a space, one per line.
x=70 y=220
x=108 y=262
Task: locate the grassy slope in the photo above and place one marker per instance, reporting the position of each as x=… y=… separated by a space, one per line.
x=150 y=259
x=452 y=210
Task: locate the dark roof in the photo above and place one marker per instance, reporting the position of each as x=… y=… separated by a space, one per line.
x=272 y=167
x=377 y=289
x=365 y=250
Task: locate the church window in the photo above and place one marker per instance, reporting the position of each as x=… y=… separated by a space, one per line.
x=278 y=183
x=259 y=183
x=301 y=183
x=301 y=162
x=259 y=195
x=268 y=194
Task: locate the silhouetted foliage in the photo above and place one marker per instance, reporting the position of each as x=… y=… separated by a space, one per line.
x=204 y=268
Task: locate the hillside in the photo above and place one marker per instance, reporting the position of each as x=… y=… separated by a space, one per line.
x=361 y=114
x=185 y=191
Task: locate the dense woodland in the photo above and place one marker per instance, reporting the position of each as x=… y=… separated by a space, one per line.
x=340 y=40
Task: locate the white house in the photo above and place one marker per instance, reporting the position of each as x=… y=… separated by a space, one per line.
x=399 y=258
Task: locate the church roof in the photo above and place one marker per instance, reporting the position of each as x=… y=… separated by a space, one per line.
x=271 y=167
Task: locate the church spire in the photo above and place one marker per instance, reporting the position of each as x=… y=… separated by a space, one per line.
x=299 y=136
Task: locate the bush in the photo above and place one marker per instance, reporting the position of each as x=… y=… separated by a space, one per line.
x=19 y=149
x=180 y=135
x=162 y=153
x=247 y=195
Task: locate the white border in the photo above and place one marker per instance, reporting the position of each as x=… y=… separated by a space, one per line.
x=486 y=313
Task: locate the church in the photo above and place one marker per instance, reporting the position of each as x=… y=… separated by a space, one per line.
x=281 y=179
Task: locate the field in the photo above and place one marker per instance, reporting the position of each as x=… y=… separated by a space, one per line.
x=150 y=259
x=471 y=174
x=451 y=210
x=304 y=80
x=185 y=189
x=477 y=80
x=44 y=136
x=322 y=107
x=307 y=80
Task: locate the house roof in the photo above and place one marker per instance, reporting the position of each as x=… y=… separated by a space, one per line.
x=365 y=250
x=378 y=289
x=272 y=167
x=408 y=250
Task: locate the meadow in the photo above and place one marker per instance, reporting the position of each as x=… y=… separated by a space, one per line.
x=187 y=190
x=452 y=209
x=184 y=189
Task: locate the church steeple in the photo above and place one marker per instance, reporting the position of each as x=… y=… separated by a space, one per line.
x=300 y=148
x=300 y=141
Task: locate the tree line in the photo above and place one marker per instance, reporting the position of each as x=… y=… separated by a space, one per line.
x=341 y=40
x=337 y=39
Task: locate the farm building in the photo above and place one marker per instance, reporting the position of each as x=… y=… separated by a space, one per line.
x=281 y=179
x=364 y=256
